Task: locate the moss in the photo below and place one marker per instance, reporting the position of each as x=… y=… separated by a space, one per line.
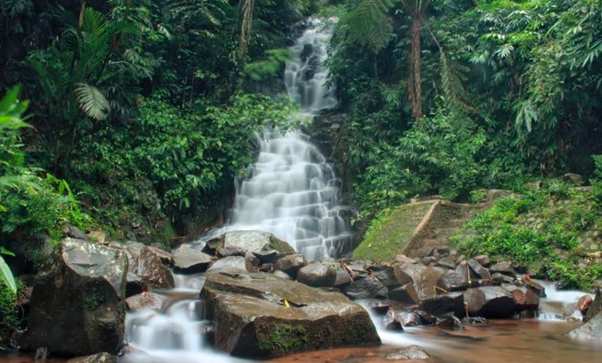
x=278 y=339
x=390 y=234
x=9 y=319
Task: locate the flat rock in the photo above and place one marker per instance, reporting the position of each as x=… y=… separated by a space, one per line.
x=413 y=352
x=232 y=265
x=504 y=267
x=144 y=300
x=188 y=260
x=316 y=274
x=260 y=315
x=252 y=241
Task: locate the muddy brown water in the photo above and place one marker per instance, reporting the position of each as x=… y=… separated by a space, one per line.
x=494 y=342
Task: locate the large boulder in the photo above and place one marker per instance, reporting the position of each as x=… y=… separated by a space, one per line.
x=260 y=315
x=453 y=281
x=444 y=304
x=252 y=241
x=232 y=265
x=590 y=330
x=153 y=273
x=316 y=274
x=423 y=278
x=490 y=302
x=77 y=301
x=188 y=260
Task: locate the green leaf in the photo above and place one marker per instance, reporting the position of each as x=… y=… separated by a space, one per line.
x=92 y=101
x=7 y=276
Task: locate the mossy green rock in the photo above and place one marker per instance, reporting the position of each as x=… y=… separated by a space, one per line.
x=260 y=315
x=392 y=234
x=252 y=241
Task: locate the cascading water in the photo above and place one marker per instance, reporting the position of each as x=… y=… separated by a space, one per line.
x=292 y=191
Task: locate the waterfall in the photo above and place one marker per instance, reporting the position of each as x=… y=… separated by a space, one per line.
x=292 y=191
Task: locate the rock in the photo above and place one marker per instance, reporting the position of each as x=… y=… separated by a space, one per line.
x=496 y=279
x=266 y=267
x=584 y=303
x=291 y=264
x=405 y=294
x=251 y=262
x=76 y=303
x=74 y=232
x=366 y=288
x=409 y=319
x=165 y=256
x=504 y=267
x=232 y=265
x=444 y=304
x=499 y=303
x=474 y=300
x=229 y=251
x=534 y=286
x=413 y=352
x=483 y=260
x=343 y=278
x=424 y=278
x=391 y=322
x=449 y=322
x=525 y=299
x=267 y=256
x=97 y=236
x=282 y=275
x=252 y=318
x=148 y=300
x=252 y=241
x=453 y=281
x=96 y=358
x=153 y=273
x=478 y=269
x=385 y=274
x=316 y=274
x=573 y=178
x=590 y=330
x=595 y=308
x=426 y=318
x=188 y=260
x=447 y=262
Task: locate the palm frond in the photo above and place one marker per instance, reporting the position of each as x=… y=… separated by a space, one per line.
x=92 y=101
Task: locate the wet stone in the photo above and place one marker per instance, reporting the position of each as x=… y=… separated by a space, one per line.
x=412 y=352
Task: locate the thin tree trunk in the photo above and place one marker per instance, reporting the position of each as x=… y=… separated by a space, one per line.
x=245 y=26
x=415 y=79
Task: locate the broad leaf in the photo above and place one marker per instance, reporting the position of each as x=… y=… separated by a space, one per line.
x=92 y=101
x=7 y=276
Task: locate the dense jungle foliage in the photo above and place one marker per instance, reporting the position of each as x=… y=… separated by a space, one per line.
x=142 y=112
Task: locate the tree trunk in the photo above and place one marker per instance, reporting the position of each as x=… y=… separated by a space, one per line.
x=415 y=88
x=245 y=26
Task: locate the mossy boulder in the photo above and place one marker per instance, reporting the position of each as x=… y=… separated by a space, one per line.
x=260 y=315
x=252 y=241
x=77 y=304
x=390 y=235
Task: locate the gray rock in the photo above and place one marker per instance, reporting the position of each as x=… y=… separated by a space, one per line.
x=385 y=274
x=252 y=241
x=232 y=265
x=366 y=288
x=499 y=303
x=153 y=273
x=74 y=232
x=413 y=352
x=447 y=262
x=77 y=300
x=144 y=300
x=449 y=322
x=405 y=294
x=483 y=260
x=444 y=304
x=453 y=281
x=188 y=260
x=291 y=264
x=478 y=269
x=262 y=316
x=590 y=330
x=424 y=278
x=316 y=274
x=504 y=267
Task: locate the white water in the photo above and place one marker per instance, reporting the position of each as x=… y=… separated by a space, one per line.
x=559 y=305
x=292 y=191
